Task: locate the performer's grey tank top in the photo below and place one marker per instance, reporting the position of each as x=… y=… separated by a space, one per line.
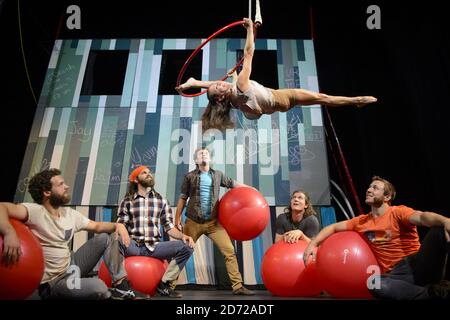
x=257 y=98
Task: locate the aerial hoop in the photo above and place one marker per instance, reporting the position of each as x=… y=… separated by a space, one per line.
x=256 y=24
x=193 y=54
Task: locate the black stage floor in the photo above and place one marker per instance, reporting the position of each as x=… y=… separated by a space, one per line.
x=217 y=294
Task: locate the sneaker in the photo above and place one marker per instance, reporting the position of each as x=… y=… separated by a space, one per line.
x=243 y=291
x=440 y=291
x=164 y=290
x=123 y=291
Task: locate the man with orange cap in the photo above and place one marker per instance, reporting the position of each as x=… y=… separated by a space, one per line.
x=143 y=211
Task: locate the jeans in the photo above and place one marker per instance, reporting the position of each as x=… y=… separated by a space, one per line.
x=177 y=252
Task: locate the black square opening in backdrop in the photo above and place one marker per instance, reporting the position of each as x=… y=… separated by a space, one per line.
x=171 y=63
x=105 y=72
x=264 y=67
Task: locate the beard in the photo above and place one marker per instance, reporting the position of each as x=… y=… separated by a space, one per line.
x=57 y=201
x=147 y=183
x=376 y=202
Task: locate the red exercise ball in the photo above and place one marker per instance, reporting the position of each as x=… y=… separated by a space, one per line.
x=284 y=273
x=144 y=273
x=342 y=263
x=244 y=213
x=104 y=275
x=18 y=281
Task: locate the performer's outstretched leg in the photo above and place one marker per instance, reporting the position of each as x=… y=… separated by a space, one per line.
x=285 y=99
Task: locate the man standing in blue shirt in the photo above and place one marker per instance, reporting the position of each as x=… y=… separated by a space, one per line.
x=202 y=187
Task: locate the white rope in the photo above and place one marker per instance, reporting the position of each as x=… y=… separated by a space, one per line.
x=249 y=8
x=258 y=17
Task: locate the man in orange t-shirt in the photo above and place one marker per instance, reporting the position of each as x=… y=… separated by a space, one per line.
x=409 y=270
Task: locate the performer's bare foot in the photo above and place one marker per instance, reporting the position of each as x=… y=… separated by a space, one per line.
x=364 y=100
x=188 y=84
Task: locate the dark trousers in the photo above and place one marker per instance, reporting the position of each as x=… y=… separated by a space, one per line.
x=411 y=277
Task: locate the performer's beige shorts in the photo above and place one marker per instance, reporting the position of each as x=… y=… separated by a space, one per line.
x=283 y=99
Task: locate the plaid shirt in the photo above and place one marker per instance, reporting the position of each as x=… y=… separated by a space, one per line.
x=143 y=217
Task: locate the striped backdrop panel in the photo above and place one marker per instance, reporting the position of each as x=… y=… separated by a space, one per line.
x=97 y=140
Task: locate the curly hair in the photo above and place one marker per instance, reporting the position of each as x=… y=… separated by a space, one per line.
x=309 y=211
x=40 y=182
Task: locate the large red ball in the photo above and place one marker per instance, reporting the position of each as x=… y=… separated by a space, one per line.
x=244 y=213
x=144 y=273
x=284 y=273
x=18 y=281
x=343 y=262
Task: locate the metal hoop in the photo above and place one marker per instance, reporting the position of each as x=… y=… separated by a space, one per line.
x=193 y=54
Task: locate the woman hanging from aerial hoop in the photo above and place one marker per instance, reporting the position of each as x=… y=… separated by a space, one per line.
x=252 y=98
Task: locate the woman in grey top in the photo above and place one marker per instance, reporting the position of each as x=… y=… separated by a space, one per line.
x=252 y=98
x=299 y=221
